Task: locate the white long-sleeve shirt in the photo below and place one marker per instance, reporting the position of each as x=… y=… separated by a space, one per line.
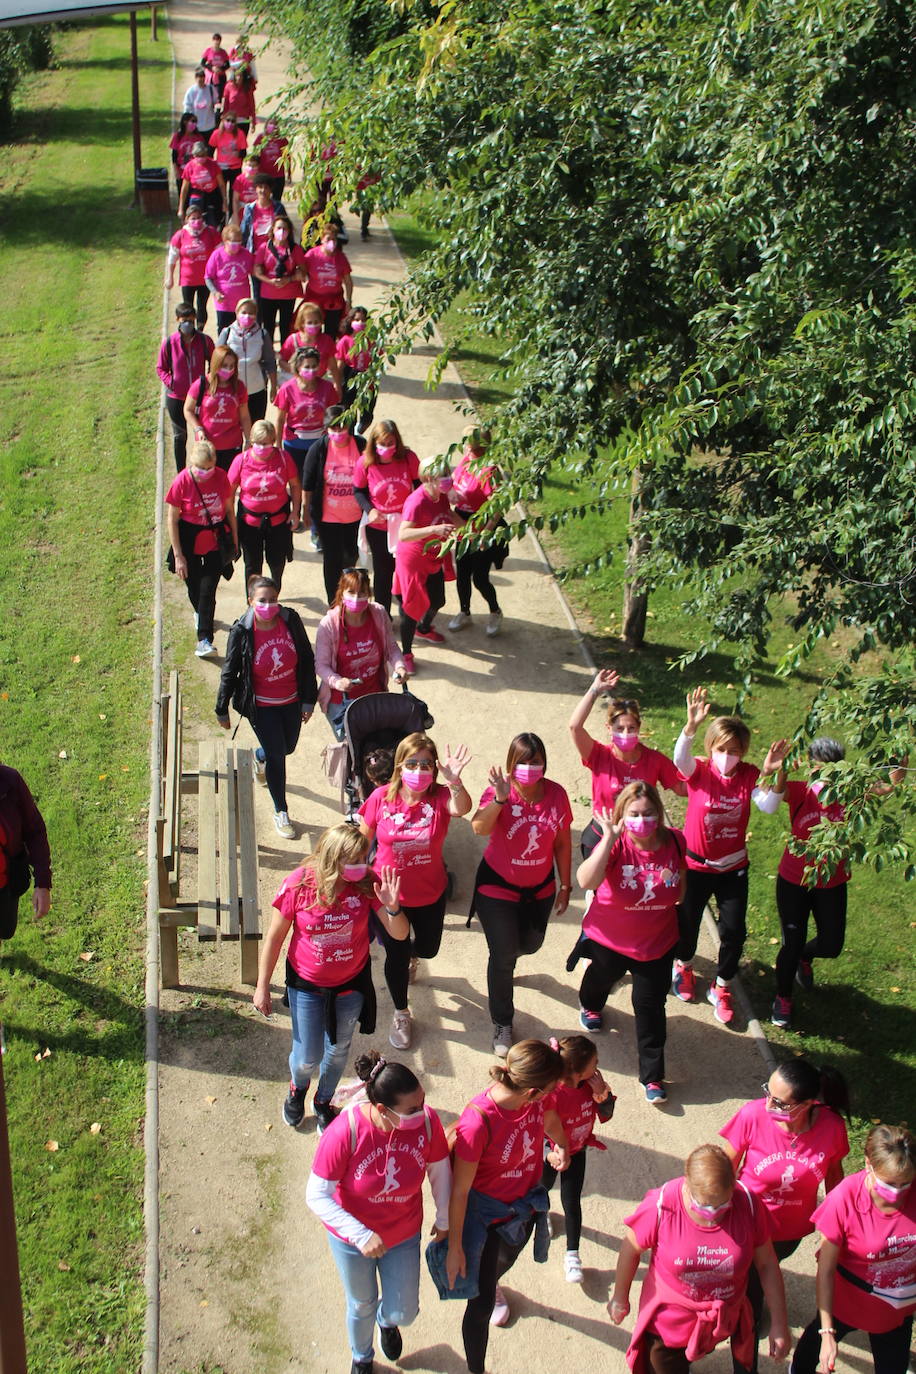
x=319 y=1195
x=766 y=801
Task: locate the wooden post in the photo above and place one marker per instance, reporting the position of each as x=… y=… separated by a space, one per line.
x=135 y=100
x=153 y=24
x=12 y=1334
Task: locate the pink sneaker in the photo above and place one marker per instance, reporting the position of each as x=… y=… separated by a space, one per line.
x=500 y=1314
x=683 y=981
x=409 y=664
x=721 y=1001
x=432 y=635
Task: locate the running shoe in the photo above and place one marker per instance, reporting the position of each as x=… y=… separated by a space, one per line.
x=804 y=974
x=781 y=1015
x=590 y=1020
x=401 y=1030
x=683 y=981
x=720 y=999
x=432 y=635
x=500 y=1314
x=572 y=1267
x=294 y=1106
x=656 y=1094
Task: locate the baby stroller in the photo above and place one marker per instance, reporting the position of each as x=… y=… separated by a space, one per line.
x=377 y=721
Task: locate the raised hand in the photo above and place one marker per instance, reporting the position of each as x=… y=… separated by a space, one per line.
x=452 y=764
x=776 y=755
x=500 y=783
x=605 y=822
x=388 y=888
x=698 y=709
x=605 y=681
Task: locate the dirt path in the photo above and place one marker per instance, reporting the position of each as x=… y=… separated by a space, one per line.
x=247 y=1281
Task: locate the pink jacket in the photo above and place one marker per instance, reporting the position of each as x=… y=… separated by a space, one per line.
x=327 y=642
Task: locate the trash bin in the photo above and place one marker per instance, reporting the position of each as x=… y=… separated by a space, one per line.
x=153 y=190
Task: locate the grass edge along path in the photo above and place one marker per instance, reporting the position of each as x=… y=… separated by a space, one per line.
x=861 y=1017
x=77 y=485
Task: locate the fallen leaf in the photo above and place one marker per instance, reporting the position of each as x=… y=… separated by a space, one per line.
x=63 y=1266
x=269 y=1126
x=5 y=696
x=102 y=777
x=102 y=715
x=774 y=940
x=88 y=955
x=76 y=659
x=95 y=1128
x=210 y=1100
x=205 y=1302
x=125 y=767
x=63 y=754
x=895 y=989
x=52 y=1146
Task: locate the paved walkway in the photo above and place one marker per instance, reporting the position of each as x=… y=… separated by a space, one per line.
x=247 y=1281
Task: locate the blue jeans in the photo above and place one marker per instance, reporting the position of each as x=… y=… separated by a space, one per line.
x=399 y=1271
x=312 y=1050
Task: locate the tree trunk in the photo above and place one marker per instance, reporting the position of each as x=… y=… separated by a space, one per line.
x=635 y=598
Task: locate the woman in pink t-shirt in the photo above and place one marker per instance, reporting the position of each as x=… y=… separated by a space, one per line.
x=229 y=145
x=270 y=497
x=420 y=565
x=272 y=149
x=354 y=353
x=302 y=405
x=308 y=332
x=325 y=908
x=784 y=1145
x=228 y=277
x=527 y=819
x=474 y=482
x=216 y=407
x=278 y=266
x=327 y=278
x=366 y=1187
x=200 y=504
x=386 y=475
x=182 y=144
x=238 y=98
x=410 y=817
x=216 y=61
x=866 y=1263
x=202 y=179
x=623 y=758
x=329 y=506
x=355 y=649
x=704 y=1232
x=499 y=1154
x=720 y=790
x=190 y=249
x=637 y=873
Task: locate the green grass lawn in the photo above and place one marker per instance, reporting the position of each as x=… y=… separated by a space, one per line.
x=81 y=277
x=861 y=1017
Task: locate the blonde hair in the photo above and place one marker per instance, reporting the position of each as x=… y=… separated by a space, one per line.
x=530 y=1066
x=249 y=305
x=892 y=1148
x=232 y=234
x=709 y=1170
x=378 y=429
x=219 y=358
x=725 y=728
x=623 y=706
x=409 y=745
x=308 y=310
x=202 y=448
x=340 y=844
x=632 y=792
x=263 y=432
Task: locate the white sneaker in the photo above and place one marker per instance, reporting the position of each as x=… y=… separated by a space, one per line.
x=281 y=821
x=204 y=648
x=260 y=767
x=412 y=970
x=401 y=1030
x=500 y=1314
x=572 y=1267
x=494 y=622
x=459 y=621
x=502 y=1040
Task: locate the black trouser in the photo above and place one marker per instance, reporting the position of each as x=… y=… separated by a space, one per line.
x=435 y=590
x=198 y=297
x=783 y=1248
x=338 y=551
x=795 y=904
x=890 y=1349
x=475 y=567
x=332 y=319
x=212 y=205
x=257 y=544
x=497 y=1259
x=271 y=310
x=9 y=913
x=382 y=564
x=730 y=892
x=512 y=928
x=277 y=729
x=204 y=572
x=223 y=319
x=229 y=176
x=571 y=1183
x=257 y=404
x=277 y=187
x=651 y=981
x=426 y=924
x=225 y=456
x=175 y=408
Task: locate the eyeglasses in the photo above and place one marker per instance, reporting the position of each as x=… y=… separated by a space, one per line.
x=421 y=765
x=779 y=1105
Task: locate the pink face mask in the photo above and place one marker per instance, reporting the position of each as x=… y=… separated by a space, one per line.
x=266 y=610
x=354 y=873
x=385 y=450
x=708 y=1213
x=306 y=373
x=641 y=825
x=270 y=128
x=280 y=235
x=816 y=787
x=262 y=450
x=329 y=245
x=190 y=126
x=355 y=603
x=232 y=247
x=313 y=329
x=338 y=436
x=410 y=1121
x=446 y=483
x=246 y=322
x=195 y=226
x=415 y=780
x=224 y=373
x=725 y=763
x=527 y=773
x=886 y=1191
x=625 y=742
x=357 y=325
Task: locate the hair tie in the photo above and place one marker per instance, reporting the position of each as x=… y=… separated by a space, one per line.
x=377 y=1068
x=554 y=1043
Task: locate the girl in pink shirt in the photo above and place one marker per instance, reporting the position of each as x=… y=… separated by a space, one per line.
x=366 y=1187
x=216 y=407
x=623 y=758
x=229 y=145
x=473 y=483
x=308 y=332
x=866 y=1263
x=228 y=278
x=720 y=790
x=704 y=1232
x=216 y=61
x=526 y=818
x=202 y=179
x=420 y=564
x=199 y=504
x=278 y=265
x=637 y=868
x=386 y=474
x=784 y=1145
x=324 y=907
x=354 y=353
x=190 y=248
x=270 y=497
x=271 y=147
x=182 y=144
x=329 y=506
x=410 y=818
x=238 y=98
x=499 y=1152
x=327 y=279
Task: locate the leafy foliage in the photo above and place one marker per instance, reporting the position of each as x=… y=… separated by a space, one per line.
x=22 y=50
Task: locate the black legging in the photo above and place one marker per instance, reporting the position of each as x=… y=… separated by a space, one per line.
x=175 y=408
x=571 y=1183
x=651 y=981
x=272 y=543
x=512 y=928
x=338 y=551
x=497 y=1259
x=730 y=892
x=277 y=729
x=783 y=1248
x=435 y=590
x=890 y=1349
x=204 y=572
x=198 y=297
x=272 y=309
x=475 y=567
x=257 y=404
x=382 y=564
x=795 y=904
x=426 y=924
x=9 y=913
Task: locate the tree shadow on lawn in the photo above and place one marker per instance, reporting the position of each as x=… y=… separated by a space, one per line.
x=100 y=219
x=122 y=1037
x=83 y=126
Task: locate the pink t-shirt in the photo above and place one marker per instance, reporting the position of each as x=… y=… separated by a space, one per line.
x=230 y=273
x=420 y=510
x=718 y=810
x=263 y=484
x=230 y=147
x=339 y=505
x=875 y=1246
x=261 y=220
x=191 y=493
x=473 y=488
x=218 y=59
x=521 y=844
x=355 y=351
x=388 y=484
x=274 y=668
x=359 y=655
x=326 y=273
x=634 y=910
x=577 y=1109
x=218 y=415
x=806 y=812
x=610 y=775
x=785 y=1170
x=203 y=174
x=182 y=146
x=270 y=149
x=305 y=410
x=288 y=262
x=508 y=1146
x=329 y=945
x=243 y=189
x=300 y=339
x=380 y=1180
x=193 y=253
x=706 y=1263
x=410 y=839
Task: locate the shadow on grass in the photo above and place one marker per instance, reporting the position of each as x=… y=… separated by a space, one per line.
x=84 y=126
x=103 y=222
x=122 y=1037
x=114 y=64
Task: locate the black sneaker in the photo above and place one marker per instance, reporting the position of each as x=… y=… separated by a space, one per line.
x=362 y=1367
x=390 y=1341
x=324 y=1114
x=294 y=1106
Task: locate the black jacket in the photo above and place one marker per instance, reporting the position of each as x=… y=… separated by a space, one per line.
x=23 y=826
x=236 y=682
x=313 y=471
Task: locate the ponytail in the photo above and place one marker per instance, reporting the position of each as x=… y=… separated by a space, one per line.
x=809 y=1082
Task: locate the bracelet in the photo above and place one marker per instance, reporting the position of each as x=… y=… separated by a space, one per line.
x=397 y=912
x=500 y=801
x=827 y=1331
x=564 y=887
